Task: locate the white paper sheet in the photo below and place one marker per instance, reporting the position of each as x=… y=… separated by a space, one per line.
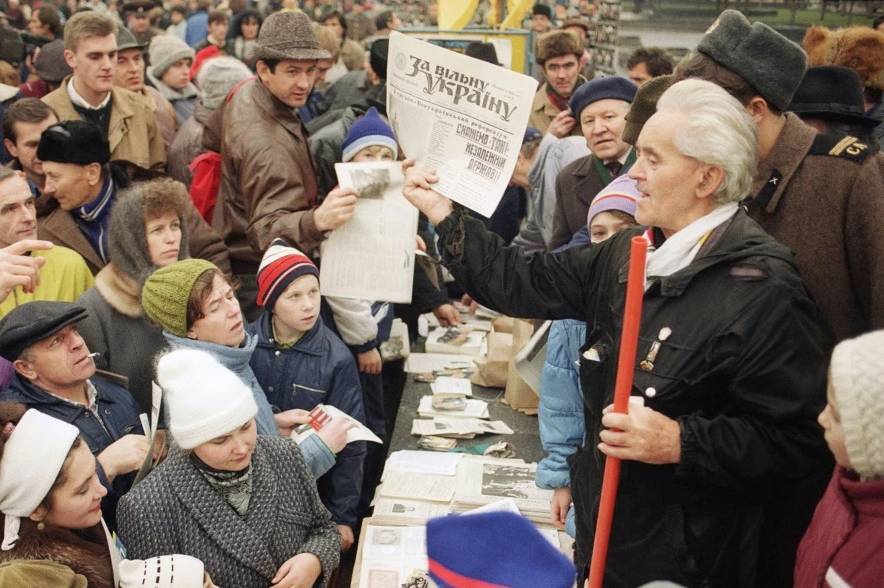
x=449 y=385
x=371 y=257
x=390 y=554
x=423 y=462
x=417 y=486
x=477 y=409
x=472 y=117
x=422 y=363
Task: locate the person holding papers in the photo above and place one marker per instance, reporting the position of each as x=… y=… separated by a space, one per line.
x=244 y=504
x=299 y=362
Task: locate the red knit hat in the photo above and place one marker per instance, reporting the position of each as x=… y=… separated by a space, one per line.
x=280 y=266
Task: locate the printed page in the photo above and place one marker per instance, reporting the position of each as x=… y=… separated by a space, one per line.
x=472 y=117
x=371 y=257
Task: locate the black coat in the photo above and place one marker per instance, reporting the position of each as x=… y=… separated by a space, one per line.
x=743 y=373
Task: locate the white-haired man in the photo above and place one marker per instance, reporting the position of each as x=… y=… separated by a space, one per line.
x=729 y=359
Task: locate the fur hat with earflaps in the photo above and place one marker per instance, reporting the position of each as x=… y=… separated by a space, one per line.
x=288 y=35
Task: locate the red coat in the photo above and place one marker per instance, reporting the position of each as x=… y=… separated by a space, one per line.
x=846 y=536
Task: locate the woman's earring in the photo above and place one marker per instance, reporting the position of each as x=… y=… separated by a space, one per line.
x=41 y=525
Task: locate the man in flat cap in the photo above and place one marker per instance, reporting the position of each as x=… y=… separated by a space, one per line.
x=599 y=106
x=818 y=194
x=55 y=374
x=126 y=119
x=84 y=182
x=268 y=184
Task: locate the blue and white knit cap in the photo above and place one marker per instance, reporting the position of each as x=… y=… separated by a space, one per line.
x=368 y=131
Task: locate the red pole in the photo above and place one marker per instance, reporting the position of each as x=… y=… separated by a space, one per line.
x=635 y=289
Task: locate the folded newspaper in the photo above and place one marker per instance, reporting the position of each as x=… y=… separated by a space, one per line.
x=458 y=428
x=358 y=433
x=477 y=409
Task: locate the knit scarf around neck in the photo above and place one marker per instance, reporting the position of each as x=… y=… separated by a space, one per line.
x=171 y=94
x=234 y=487
x=93 y=219
x=236 y=359
x=557 y=100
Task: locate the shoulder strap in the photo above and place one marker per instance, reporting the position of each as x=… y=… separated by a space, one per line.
x=835 y=144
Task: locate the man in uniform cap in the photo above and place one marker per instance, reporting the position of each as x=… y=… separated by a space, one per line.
x=818 y=194
x=268 y=184
x=56 y=375
x=80 y=177
x=136 y=15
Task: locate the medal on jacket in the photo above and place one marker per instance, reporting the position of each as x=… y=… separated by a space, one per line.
x=647 y=363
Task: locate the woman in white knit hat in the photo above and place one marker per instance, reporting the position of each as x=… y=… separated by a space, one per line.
x=244 y=504
x=50 y=496
x=844 y=545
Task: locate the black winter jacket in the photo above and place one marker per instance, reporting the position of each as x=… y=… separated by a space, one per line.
x=743 y=373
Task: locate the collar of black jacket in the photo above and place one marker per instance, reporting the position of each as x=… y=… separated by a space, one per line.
x=310 y=343
x=23 y=390
x=738 y=239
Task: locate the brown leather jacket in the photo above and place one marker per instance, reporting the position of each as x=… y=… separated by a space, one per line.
x=268 y=183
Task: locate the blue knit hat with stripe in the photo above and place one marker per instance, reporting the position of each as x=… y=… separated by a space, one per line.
x=467 y=550
x=368 y=131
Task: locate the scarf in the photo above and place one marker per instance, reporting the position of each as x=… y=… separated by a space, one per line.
x=236 y=359
x=556 y=99
x=679 y=250
x=171 y=94
x=93 y=219
x=234 y=487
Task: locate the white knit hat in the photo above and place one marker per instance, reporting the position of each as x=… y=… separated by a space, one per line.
x=165 y=51
x=205 y=399
x=857 y=374
x=32 y=459
x=166 y=571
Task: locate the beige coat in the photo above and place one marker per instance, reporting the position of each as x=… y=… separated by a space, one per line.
x=133 y=134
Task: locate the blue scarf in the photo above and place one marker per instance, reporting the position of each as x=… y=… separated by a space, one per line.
x=236 y=359
x=93 y=218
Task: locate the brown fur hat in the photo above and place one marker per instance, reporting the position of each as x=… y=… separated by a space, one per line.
x=859 y=48
x=556 y=44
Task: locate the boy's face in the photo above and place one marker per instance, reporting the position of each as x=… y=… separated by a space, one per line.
x=298 y=306
x=374 y=153
x=218 y=29
x=833 y=431
x=605 y=225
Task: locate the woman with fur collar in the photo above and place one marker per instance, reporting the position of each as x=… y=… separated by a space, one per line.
x=147 y=231
x=55 y=512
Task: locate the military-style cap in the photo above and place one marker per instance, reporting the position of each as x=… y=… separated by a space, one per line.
x=139 y=7
x=34 y=321
x=770 y=62
x=644 y=105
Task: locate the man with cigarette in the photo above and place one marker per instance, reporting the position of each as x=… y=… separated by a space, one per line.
x=729 y=374
x=55 y=374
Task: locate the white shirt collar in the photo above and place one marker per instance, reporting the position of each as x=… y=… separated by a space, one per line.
x=81 y=102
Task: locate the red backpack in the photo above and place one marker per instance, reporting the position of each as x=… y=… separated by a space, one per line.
x=205 y=172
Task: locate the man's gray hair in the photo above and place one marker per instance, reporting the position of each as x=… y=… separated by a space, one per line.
x=718 y=131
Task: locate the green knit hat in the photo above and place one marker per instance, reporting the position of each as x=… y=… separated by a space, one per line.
x=165 y=293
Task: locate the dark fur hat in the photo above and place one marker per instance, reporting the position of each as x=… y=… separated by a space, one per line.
x=556 y=44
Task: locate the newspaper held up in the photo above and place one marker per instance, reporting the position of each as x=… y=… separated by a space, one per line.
x=472 y=117
x=372 y=256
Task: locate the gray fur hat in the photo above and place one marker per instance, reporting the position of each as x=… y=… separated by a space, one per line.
x=288 y=35
x=770 y=62
x=128 y=234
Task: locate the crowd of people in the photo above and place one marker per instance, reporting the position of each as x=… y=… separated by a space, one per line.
x=169 y=181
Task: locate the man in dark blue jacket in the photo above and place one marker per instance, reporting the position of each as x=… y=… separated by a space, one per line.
x=300 y=363
x=55 y=374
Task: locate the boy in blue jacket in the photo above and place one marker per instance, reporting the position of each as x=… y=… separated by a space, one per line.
x=300 y=363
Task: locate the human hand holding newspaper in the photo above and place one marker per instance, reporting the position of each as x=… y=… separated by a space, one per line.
x=335 y=427
x=418 y=190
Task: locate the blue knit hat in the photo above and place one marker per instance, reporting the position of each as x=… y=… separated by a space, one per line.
x=467 y=550
x=615 y=88
x=368 y=131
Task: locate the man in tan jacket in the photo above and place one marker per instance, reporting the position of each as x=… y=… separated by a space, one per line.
x=125 y=118
x=268 y=183
x=558 y=53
